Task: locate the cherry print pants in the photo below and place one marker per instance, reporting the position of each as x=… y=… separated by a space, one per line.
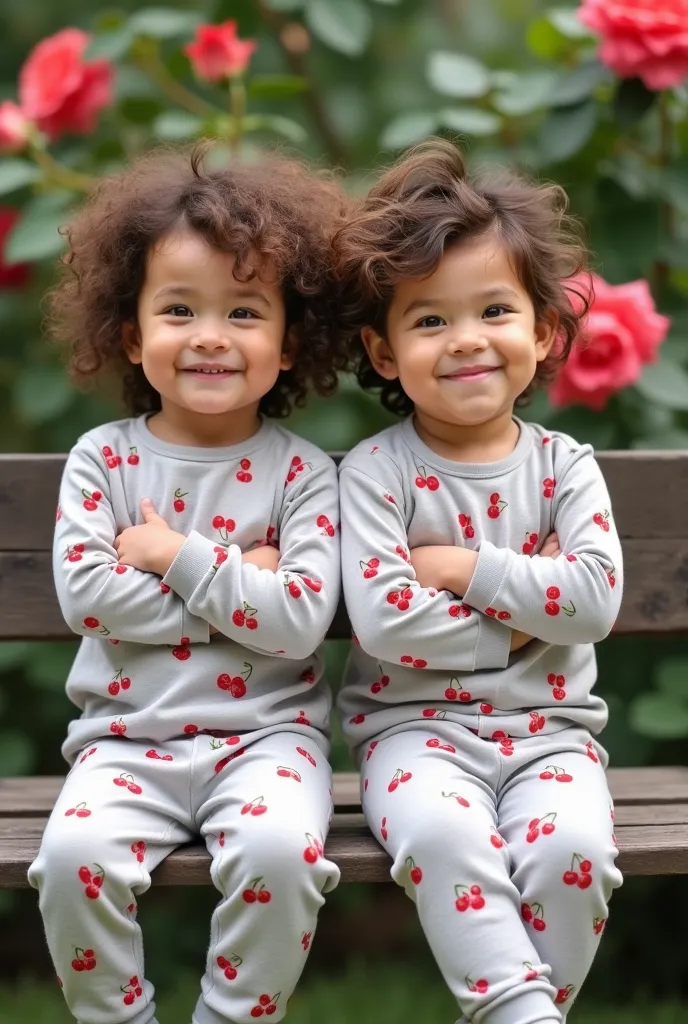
x=124 y=807
x=507 y=850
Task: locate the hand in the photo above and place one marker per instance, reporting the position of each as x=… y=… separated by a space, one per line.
x=444 y=567
x=550 y=549
x=265 y=557
x=151 y=547
x=519 y=639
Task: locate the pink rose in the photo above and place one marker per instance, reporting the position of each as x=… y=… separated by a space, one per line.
x=217 y=52
x=61 y=91
x=15 y=128
x=645 y=39
x=621 y=333
x=17 y=275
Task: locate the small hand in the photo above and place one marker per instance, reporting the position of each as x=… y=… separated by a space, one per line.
x=151 y=547
x=444 y=567
x=550 y=548
x=519 y=639
x=265 y=557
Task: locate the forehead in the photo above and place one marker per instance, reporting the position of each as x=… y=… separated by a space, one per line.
x=466 y=267
x=186 y=256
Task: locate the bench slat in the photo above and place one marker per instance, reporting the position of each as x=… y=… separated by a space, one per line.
x=31 y=797
x=655 y=592
x=643 y=850
x=637 y=482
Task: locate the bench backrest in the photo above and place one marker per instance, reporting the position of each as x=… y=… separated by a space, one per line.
x=649 y=492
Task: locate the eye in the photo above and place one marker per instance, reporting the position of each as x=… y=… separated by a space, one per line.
x=430 y=322
x=179 y=311
x=241 y=313
x=494 y=311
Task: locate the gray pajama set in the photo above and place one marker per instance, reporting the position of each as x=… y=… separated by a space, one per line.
x=182 y=733
x=481 y=775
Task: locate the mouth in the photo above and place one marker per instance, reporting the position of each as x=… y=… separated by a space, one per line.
x=209 y=371
x=470 y=374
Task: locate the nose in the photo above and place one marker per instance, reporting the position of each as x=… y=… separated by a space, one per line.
x=466 y=339
x=211 y=337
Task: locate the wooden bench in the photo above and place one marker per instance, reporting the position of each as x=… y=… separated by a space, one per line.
x=652 y=803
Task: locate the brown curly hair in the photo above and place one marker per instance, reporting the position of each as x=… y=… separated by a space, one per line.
x=275 y=211
x=427 y=202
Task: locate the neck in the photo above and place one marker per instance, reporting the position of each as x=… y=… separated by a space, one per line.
x=200 y=430
x=477 y=442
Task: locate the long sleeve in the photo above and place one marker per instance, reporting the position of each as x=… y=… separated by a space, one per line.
x=574 y=598
x=394 y=618
x=97 y=596
x=284 y=613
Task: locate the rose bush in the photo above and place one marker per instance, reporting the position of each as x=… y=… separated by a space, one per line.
x=645 y=39
x=622 y=332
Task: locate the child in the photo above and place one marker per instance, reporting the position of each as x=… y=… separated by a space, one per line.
x=200 y=683
x=469 y=693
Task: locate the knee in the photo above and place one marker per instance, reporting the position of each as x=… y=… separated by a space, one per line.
x=281 y=850
x=577 y=857
x=65 y=862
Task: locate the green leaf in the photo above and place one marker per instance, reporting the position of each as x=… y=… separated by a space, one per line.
x=659 y=440
x=455 y=74
x=16 y=754
x=659 y=715
x=632 y=101
x=577 y=85
x=525 y=93
x=111 y=44
x=666 y=383
x=163 y=22
x=343 y=25
x=41 y=393
x=566 y=21
x=35 y=236
x=406 y=129
x=545 y=41
x=566 y=130
x=140 y=109
x=49 y=665
x=470 y=120
x=672 y=677
x=16 y=174
x=284 y=126
x=172 y=125
x=673 y=182
x=277 y=87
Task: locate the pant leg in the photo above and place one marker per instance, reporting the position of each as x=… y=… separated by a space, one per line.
x=429 y=799
x=264 y=817
x=556 y=816
x=113 y=822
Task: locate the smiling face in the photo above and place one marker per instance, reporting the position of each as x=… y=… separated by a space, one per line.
x=210 y=345
x=464 y=342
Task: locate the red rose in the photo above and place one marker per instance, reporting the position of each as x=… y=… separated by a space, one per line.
x=61 y=91
x=621 y=333
x=17 y=275
x=217 y=52
x=645 y=39
x=14 y=128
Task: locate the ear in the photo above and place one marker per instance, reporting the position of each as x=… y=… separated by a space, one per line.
x=290 y=347
x=131 y=340
x=546 y=331
x=379 y=353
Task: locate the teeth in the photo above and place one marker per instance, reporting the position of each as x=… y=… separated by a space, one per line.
x=210 y=371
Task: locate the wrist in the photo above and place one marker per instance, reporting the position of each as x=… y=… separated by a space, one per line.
x=169 y=551
x=458 y=570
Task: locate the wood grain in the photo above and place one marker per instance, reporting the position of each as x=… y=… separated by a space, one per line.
x=655 y=593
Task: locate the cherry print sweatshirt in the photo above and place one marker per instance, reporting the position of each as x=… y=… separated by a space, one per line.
x=148 y=667
x=419 y=654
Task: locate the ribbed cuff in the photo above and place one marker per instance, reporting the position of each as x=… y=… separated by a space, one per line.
x=194 y=558
x=527 y=1007
x=488 y=576
x=494 y=644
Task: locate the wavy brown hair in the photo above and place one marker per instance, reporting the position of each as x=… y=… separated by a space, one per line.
x=427 y=202
x=275 y=211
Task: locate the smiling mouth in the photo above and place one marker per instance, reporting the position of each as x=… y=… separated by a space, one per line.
x=210 y=373
x=476 y=374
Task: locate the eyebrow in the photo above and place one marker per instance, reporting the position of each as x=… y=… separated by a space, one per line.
x=244 y=295
x=499 y=292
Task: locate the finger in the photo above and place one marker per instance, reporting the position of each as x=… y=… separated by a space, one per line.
x=148 y=512
x=116 y=544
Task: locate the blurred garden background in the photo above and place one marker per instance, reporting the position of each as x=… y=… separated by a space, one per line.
x=593 y=96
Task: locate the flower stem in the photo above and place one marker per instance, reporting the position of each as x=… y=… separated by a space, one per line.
x=57 y=174
x=150 y=63
x=237 y=109
x=661 y=269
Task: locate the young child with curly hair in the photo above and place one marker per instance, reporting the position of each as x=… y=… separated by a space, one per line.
x=196 y=551
x=480 y=566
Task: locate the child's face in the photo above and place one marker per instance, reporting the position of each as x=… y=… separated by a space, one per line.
x=463 y=342
x=208 y=343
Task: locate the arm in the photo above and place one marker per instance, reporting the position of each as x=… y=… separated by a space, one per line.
x=574 y=598
x=394 y=617
x=285 y=612
x=98 y=597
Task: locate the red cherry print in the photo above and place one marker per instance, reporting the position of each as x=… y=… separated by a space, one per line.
x=383 y=828
x=601 y=519
x=529 y=543
x=552 y=593
x=546 y=440
x=591 y=752
x=357 y=719
x=481 y=985
x=563 y=994
x=548 y=485
x=242 y=473
x=468 y=897
x=496 y=839
x=492 y=612
x=496 y=506
x=309 y=757
x=415 y=873
x=503 y=616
